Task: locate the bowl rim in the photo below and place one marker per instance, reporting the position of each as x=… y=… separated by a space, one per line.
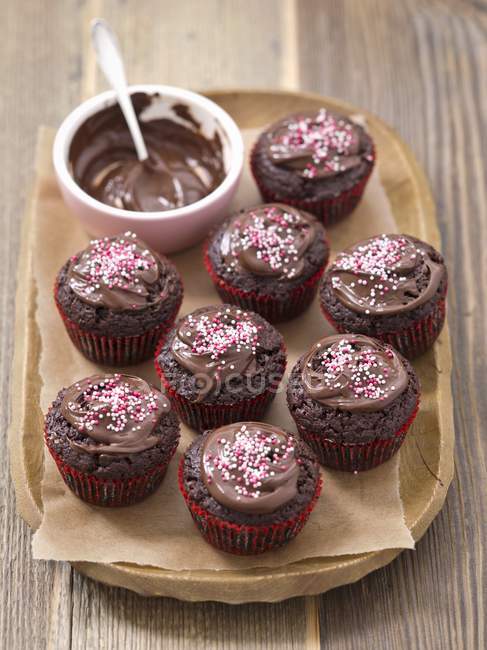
x=77 y=116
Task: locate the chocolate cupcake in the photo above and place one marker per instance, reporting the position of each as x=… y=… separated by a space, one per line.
x=117 y=298
x=353 y=399
x=268 y=259
x=391 y=287
x=250 y=487
x=112 y=437
x=221 y=364
x=317 y=161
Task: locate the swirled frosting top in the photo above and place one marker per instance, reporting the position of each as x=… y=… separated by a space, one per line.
x=316 y=144
x=352 y=372
x=215 y=343
x=250 y=467
x=269 y=240
x=387 y=274
x=117 y=273
x=117 y=413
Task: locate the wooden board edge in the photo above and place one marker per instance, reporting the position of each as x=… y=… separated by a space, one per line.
x=316 y=578
x=24 y=304
x=252 y=588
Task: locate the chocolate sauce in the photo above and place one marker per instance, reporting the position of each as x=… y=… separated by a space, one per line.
x=183 y=165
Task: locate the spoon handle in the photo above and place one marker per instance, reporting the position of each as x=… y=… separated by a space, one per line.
x=110 y=61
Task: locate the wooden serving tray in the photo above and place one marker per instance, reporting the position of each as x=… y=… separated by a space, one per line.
x=426 y=463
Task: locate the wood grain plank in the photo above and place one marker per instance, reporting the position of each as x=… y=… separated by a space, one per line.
x=199 y=44
x=35 y=596
x=421 y=66
x=115 y=618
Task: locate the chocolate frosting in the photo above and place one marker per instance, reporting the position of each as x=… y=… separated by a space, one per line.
x=117 y=413
x=183 y=165
x=315 y=144
x=250 y=467
x=216 y=344
x=117 y=273
x=352 y=372
x=268 y=240
x=388 y=274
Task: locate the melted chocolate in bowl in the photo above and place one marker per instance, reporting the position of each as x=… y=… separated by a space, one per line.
x=183 y=166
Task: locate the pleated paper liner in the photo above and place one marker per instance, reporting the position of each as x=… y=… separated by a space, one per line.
x=356 y=457
x=240 y=539
x=330 y=210
x=201 y=416
x=411 y=341
x=116 y=350
x=273 y=310
x=111 y=492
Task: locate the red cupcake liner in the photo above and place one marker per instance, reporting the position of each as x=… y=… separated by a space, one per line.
x=241 y=539
x=355 y=457
x=115 y=350
x=274 y=311
x=412 y=341
x=330 y=210
x=110 y=492
x=201 y=416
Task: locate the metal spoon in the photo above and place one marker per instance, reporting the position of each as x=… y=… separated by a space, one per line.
x=110 y=61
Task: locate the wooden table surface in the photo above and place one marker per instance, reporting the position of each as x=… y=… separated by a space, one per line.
x=421 y=66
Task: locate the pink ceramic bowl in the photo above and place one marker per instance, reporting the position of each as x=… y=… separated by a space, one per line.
x=168 y=231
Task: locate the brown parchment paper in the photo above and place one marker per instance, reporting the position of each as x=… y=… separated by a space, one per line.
x=354 y=514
